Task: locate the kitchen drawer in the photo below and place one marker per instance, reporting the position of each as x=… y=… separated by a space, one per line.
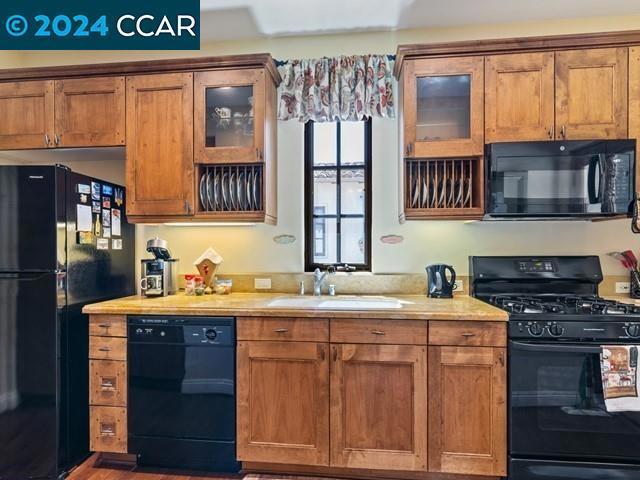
x=283 y=329
x=398 y=332
x=108 y=325
x=487 y=334
x=108 y=429
x=107 y=348
x=108 y=383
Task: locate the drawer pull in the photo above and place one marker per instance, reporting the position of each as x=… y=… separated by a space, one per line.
x=108 y=383
x=104 y=349
x=468 y=334
x=107 y=429
x=281 y=330
x=104 y=325
x=377 y=332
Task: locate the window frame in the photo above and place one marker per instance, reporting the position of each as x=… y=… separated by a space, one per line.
x=310 y=216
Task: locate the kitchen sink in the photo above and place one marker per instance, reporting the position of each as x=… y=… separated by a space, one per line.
x=338 y=303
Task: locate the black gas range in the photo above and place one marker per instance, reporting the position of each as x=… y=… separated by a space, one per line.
x=559 y=427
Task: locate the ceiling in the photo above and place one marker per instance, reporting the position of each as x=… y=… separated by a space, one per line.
x=237 y=19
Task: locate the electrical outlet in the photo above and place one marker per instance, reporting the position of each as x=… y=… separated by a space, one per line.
x=623 y=287
x=459 y=286
x=262 y=283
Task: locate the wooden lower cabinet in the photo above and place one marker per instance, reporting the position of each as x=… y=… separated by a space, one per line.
x=379 y=406
x=467 y=410
x=283 y=402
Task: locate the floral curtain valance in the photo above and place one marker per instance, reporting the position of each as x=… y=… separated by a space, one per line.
x=337 y=89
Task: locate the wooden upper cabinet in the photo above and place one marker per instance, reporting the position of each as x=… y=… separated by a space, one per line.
x=467 y=410
x=229 y=116
x=159 y=164
x=90 y=112
x=443 y=111
x=378 y=407
x=591 y=93
x=519 y=97
x=283 y=402
x=27 y=115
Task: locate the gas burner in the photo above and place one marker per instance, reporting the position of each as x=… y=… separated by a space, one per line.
x=562 y=304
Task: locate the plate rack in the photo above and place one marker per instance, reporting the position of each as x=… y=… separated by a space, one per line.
x=230 y=188
x=448 y=187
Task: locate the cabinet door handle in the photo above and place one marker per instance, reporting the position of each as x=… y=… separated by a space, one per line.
x=46 y=140
x=409 y=148
x=107 y=429
x=56 y=139
x=258 y=154
x=550 y=132
x=187 y=207
x=335 y=354
x=501 y=359
x=377 y=332
x=468 y=334
x=108 y=383
x=563 y=131
x=322 y=353
x=104 y=349
x=104 y=325
x=281 y=330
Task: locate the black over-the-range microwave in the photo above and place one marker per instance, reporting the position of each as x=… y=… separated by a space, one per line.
x=560 y=179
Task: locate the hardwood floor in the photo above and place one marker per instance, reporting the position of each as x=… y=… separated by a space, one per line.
x=95 y=469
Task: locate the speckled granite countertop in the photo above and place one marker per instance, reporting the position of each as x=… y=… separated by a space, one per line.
x=417 y=307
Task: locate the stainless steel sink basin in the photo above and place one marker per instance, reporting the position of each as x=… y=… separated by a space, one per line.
x=338 y=303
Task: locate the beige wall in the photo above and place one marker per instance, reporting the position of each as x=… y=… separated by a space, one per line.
x=252 y=249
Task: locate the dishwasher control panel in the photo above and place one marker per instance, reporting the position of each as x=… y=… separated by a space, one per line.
x=182 y=330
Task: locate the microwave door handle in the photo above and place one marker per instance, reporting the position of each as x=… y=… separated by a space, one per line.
x=594 y=174
x=547 y=348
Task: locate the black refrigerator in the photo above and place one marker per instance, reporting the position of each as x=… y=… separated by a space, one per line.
x=64 y=243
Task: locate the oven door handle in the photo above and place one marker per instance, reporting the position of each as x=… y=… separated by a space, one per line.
x=545 y=347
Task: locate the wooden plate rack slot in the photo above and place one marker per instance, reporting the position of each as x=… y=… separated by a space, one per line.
x=450 y=187
x=230 y=188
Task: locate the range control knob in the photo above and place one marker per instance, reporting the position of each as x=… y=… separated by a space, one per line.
x=535 y=329
x=556 y=330
x=633 y=330
x=211 y=334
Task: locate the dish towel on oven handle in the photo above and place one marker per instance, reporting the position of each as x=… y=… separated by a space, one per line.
x=619 y=367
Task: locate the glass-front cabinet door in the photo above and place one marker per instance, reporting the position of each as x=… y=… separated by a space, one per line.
x=443 y=107
x=229 y=116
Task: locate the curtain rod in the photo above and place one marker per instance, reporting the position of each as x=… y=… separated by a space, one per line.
x=279 y=63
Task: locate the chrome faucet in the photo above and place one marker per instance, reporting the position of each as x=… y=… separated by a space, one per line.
x=319 y=278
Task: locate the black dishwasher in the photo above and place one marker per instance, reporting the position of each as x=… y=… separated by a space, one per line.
x=182 y=407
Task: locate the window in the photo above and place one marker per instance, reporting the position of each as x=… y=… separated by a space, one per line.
x=338 y=195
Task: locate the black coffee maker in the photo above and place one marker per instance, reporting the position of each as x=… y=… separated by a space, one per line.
x=438 y=285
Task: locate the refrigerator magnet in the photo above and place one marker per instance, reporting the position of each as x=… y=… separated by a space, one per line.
x=96 y=206
x=106 y=218
x=118 y=196
x=116 y=244
x=106 y=202
x=82 y=188
x=106 y=232
x=85 y=238
x=84 y=198
x=116 y=224
x=107 y=190
x=83 y=218
x=102 y=244
x=95 y=190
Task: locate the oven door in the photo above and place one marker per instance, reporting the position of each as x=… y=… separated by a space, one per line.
x=557 y=408
x=573 y=183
